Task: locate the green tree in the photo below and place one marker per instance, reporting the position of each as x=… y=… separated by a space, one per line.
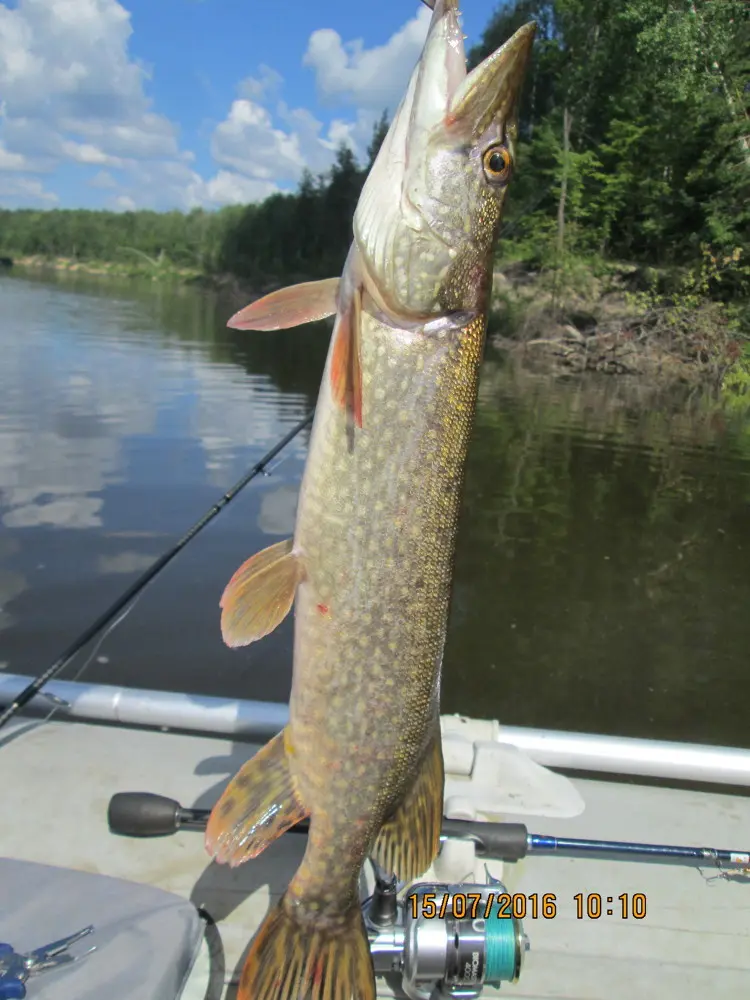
x=378 y=136
x=636 y=127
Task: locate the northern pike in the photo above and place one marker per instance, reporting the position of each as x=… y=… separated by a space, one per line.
x=370 y=565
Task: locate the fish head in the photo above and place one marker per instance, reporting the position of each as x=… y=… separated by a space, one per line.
x=429 y=213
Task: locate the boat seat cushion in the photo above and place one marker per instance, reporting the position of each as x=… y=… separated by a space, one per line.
x=146 y=939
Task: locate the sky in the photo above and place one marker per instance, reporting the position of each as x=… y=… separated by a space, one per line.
x=125 y=104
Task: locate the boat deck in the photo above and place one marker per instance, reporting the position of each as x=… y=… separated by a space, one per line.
x=694 y=941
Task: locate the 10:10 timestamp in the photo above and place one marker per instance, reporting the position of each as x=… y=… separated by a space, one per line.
x=593 y=905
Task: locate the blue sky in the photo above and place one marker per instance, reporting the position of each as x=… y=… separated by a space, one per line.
x=182 y=103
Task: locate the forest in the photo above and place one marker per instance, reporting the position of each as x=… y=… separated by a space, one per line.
x=635 y=150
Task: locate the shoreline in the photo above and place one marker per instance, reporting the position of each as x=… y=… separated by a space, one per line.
x=102 y=268
x=236 y=288
x=602 y=326
x=614 y=322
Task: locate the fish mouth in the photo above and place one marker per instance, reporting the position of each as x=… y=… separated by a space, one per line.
x=403 y=213
x=386 y=205
x=446 y=103
x=442 y=67
x=489 y=92
x=444 y=83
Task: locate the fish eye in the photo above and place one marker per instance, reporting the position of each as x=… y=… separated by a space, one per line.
x=497 y=164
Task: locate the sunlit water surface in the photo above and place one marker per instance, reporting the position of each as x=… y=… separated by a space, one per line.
x=602 y=578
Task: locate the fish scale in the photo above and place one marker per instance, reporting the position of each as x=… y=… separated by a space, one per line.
x=377 y=731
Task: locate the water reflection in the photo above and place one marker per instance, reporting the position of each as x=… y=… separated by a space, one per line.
x=126 y=562
x=601 y=578
x=124 y=416
x=602 y=575
x=278 y=511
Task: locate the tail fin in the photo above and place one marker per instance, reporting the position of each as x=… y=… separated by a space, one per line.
x=291 y=961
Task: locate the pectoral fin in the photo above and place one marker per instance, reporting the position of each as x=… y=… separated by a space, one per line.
x=260 y=594
x=292 y=306
x=346 y=361
x=258 y=805
x=409 y=840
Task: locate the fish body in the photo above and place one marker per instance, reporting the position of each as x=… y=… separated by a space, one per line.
x=369 y=568
x=377 y=528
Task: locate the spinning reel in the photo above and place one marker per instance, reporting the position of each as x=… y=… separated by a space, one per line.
x=445 y=940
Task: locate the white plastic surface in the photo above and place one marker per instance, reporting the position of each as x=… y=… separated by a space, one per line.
x=486 y=780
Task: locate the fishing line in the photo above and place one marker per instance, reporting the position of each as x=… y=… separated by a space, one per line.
x=135 y=589
x=267 y=473
x=59 y=703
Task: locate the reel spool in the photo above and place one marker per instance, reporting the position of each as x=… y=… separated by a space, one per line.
x=446 y=940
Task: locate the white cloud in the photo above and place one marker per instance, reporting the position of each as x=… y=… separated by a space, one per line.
x=18 y=191
x=67 y=61
x=275 y=148
x=370 y=79
x=263 y=142
x=264 y=139
x=11 y=161
x=124 y=203
x=266 y=85
x=228 y=188
x=151 y=135
x=84 y=152
x=72 y=94
x=155 y=183
x=103 y=180
x=317 y=146
x=340 y=131
x=248 y=142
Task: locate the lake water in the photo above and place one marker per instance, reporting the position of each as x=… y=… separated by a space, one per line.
x=603 y=565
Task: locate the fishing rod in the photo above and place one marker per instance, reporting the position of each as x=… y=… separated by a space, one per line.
x=479 y=938
x=143 y=814
x=104 y=619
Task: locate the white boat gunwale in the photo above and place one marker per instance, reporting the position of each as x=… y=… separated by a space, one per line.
x=259 y=720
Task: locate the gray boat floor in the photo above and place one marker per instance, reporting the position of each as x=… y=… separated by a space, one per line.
x=694 y=942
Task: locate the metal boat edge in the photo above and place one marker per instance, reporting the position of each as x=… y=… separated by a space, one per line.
x=255 y=720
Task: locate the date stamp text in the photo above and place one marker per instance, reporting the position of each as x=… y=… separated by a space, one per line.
x=525 y=905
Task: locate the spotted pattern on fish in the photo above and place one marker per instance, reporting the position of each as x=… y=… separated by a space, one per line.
x=376 y=532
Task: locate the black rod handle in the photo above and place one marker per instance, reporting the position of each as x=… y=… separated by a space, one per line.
x=503 y=841
x=143 y=814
